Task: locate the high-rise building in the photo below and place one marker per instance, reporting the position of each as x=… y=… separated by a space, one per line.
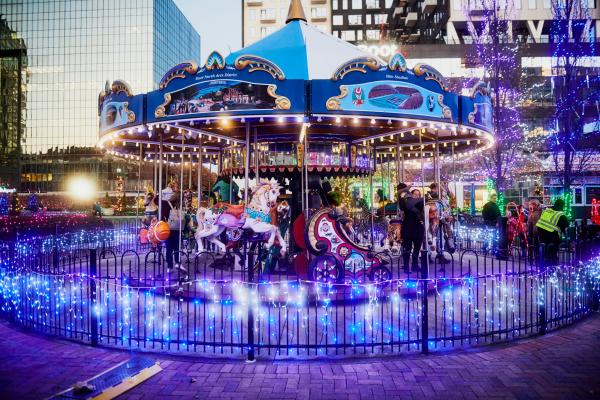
x=73 y=47
x=420 y=21
x=440 y=33
x=13 y=61
x=262 y=17
x=360 y=21
x=451 y=21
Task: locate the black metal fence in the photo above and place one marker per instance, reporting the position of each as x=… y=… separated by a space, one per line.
x=113 y=291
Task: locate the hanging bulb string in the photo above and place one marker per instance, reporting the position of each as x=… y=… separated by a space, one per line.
x=399 y=283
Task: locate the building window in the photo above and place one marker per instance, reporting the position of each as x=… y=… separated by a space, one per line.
x=517 y=4
x=357 y=4
x=372 y=3
x=578 y=196
x=253 y=16
x=338 y=20
x=334 y=4
x=348 y=35
x=547 y=4
x=532 y=4
x=372 y=34
x=267 y=13
x=592 y=192
x=380 y=19
x=266 y=30
x=354 y=19
x=318 y=12
x=359 y=35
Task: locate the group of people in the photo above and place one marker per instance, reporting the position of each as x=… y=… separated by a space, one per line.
x=530 y=223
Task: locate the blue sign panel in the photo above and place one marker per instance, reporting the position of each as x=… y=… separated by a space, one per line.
x=477 y=111
x=118 y=109
x=393 y=97
x=224 y=90
x=359 y=87
x=220 y=95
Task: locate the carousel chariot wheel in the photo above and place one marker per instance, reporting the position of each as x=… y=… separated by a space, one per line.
x=380 y=274
x=325 y=268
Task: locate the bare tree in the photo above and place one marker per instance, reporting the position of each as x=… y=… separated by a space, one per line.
x=496 y=51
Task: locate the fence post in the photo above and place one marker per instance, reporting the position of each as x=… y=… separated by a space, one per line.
x=502 y=244
x=250 y=268
x=55 y=257
x=93 y=300
x=542 y=323
x=595 y=299
x=425 y=305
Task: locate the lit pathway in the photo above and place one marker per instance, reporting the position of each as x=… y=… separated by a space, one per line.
x=563 y=364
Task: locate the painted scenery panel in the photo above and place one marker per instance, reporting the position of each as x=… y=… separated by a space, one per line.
x=220 y=95
x=394 y=97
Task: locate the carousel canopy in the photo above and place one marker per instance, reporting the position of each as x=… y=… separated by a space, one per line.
x=302 y=51
x=298 y=87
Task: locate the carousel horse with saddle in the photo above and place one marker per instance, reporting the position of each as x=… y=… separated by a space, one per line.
x=258 y=216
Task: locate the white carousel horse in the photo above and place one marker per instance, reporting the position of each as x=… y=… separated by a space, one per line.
x=257 y=216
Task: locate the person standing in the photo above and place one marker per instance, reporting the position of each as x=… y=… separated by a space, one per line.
x=553 y=224
x=434 y=193
x=413 y=228
x=97 y=209
x=491 y=211
x=150 y=208
x=535 y=211
x=172 y=215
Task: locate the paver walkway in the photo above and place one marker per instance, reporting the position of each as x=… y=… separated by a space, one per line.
x=563 y=364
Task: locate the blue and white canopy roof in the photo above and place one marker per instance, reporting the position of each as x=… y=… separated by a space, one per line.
x=298 y=79
x=303 y=51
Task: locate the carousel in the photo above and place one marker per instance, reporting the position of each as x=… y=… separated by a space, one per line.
x=282 y=115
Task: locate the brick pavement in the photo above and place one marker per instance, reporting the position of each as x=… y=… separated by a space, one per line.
x=563 y=364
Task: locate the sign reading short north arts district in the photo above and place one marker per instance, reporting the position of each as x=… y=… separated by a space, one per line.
x=252 y=86
x=219 y=95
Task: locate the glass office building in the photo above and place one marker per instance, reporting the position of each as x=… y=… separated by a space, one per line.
x=73 y=47
x=13 y=63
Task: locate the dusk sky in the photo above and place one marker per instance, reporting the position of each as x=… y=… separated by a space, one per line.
x=219 y=23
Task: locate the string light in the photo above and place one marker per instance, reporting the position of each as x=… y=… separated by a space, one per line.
x=388 y=312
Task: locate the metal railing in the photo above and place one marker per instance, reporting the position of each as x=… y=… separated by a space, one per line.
x=120 y=293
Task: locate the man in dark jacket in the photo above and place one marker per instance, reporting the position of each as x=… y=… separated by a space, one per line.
x=413 y=227
x=491 y=211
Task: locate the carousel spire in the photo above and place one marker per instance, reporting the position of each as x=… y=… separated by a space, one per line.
x=296 y=11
